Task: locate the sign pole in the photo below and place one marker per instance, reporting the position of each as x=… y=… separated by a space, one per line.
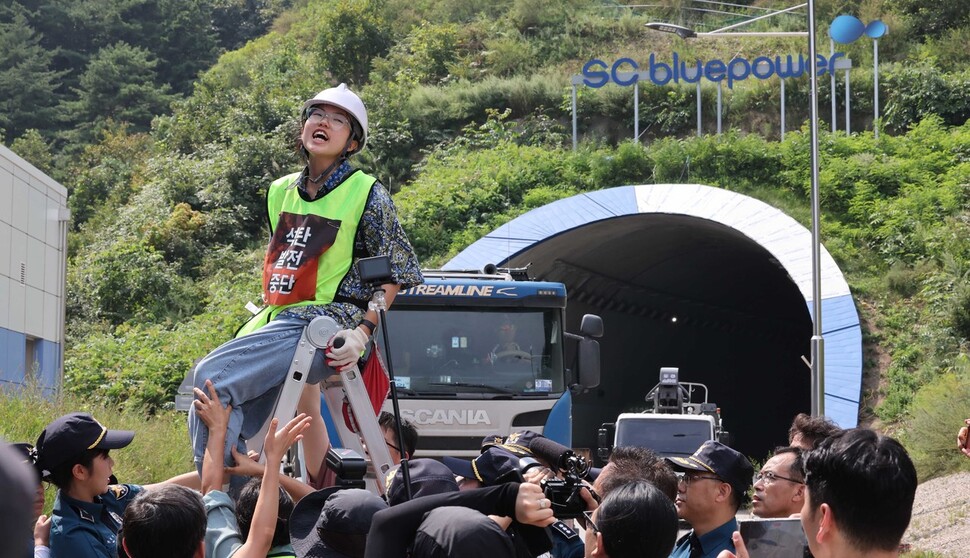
x=817 y=342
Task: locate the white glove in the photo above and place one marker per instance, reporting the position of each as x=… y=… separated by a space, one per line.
x=347 y=355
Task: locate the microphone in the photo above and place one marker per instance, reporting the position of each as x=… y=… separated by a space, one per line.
x=559 y=456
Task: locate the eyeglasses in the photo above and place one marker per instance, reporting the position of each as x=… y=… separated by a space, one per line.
x=687 y=479
x=392 y=446
x=769 y=477
x=336 y=121
x=588 y=516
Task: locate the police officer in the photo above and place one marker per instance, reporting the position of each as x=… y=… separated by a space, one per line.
x=73 y=454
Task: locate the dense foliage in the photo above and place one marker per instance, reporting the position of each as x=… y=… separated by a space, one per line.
x=65 y=66
x=469 y=109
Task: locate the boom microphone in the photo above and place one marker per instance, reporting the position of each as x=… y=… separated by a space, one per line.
x=559 y=456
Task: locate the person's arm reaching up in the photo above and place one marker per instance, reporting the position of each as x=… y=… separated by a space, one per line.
x=263 y=528
x=247 y=466
x=216 y=417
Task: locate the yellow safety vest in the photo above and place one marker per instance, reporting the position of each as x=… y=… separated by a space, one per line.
x=323 y=229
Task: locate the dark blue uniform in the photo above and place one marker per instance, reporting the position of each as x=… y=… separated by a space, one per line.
x=710 y=544
x=89 y=529
x=566 y=543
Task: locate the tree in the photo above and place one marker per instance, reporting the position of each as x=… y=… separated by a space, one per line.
x=119 y=83
x=103 y=174
x=237 y=22
x=28 y=85
x=184 y=40
x=35 y=149
x=930 y=19
x=350 y=37
x=424 y=56
x=128 y=281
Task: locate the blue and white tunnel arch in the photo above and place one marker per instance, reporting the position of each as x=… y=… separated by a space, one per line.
x=783 y=237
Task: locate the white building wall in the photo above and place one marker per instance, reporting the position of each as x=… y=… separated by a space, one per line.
x=33 y=235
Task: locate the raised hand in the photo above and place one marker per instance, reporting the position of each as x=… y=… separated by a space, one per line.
x=278 y=441
x=42 y=531
x=210 y=410
x=535 y=475
x=246 y=465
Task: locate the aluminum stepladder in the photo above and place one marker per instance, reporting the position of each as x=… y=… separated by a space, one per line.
x=351 y=386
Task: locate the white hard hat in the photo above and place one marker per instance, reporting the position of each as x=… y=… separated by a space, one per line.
x=346 y=99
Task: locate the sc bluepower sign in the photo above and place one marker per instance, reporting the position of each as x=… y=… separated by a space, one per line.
x=626 y=71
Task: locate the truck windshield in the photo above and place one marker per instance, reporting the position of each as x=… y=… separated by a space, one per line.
x=666 y=437
x=457 y=351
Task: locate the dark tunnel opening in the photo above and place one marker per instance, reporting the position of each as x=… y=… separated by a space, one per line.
x=682 y=291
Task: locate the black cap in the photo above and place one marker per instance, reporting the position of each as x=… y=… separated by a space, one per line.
x=71 y=435
x=494 y=466
x=333 y=522
x=714 y=457
x=427 y=477
x=517 y=443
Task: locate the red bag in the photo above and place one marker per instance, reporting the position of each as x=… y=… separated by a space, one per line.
x=378 y=385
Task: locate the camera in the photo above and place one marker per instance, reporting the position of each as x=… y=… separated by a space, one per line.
x=349 y=467
x=566 y=501
x=563 y=494
x=375 y=270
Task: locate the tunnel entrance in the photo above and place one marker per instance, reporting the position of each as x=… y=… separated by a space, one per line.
x=681 y=291
x=680 y=285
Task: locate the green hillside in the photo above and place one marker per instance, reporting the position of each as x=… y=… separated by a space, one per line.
x=470 y=110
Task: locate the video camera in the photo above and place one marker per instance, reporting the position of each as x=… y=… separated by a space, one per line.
x=566 y=501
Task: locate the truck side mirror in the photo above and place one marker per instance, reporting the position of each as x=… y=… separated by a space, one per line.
x=591 y=326
x=589 y=362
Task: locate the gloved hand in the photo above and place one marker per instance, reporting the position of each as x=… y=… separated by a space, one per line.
x=347 y=355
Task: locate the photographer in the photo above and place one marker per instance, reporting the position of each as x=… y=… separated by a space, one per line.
x=627 y=465
x=561 y=473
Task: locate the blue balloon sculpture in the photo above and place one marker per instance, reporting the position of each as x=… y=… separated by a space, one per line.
x=846 y=29
x=876 y=29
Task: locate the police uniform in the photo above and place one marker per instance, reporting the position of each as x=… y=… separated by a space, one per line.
x=89 y=529
x=566 y=542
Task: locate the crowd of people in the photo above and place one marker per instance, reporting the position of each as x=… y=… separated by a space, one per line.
x=852 y=490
